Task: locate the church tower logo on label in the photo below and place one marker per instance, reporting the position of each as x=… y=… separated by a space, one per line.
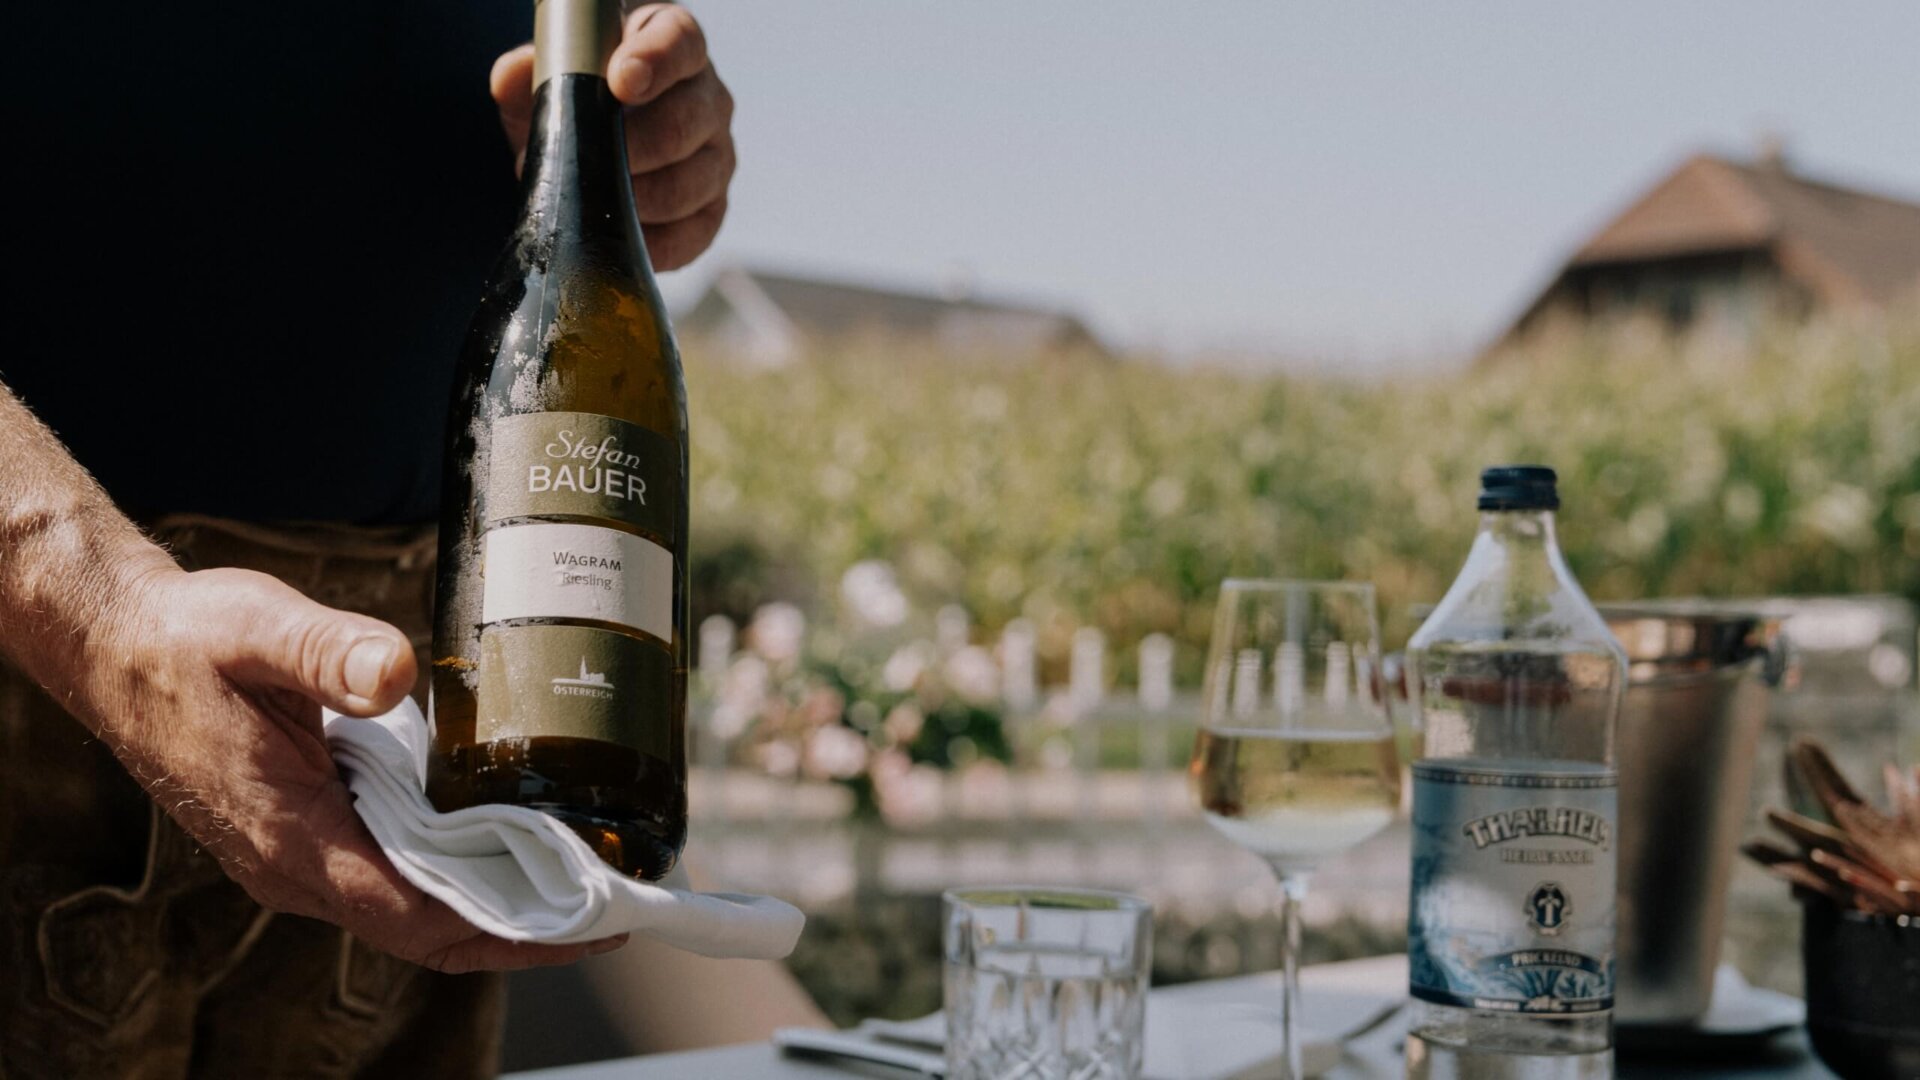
x=593 y=684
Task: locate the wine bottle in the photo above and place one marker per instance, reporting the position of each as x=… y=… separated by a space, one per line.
x=560 y=644
x=1517 y=681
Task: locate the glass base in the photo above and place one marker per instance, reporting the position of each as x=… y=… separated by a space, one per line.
x=1430 y=1060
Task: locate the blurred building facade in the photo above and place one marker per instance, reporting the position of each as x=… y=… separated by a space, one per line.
x=1719 y=240
x=773 y=318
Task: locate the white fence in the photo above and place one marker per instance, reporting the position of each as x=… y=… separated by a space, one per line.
x=1059 y=731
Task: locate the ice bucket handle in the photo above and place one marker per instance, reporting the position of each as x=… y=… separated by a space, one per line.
x=1780 y=663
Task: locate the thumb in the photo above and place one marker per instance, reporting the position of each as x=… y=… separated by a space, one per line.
x=277 y=637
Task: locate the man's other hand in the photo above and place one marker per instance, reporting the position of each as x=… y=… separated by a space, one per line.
x=679 y=127
x=209 y=685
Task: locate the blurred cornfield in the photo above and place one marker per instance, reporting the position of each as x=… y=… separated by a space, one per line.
x=1118 y=494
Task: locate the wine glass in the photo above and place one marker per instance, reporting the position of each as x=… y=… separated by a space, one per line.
x=1295 y=757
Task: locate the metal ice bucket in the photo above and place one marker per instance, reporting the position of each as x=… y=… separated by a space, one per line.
x=1699 y=678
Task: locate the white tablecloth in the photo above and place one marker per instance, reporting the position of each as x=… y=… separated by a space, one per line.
x=1375 y=1056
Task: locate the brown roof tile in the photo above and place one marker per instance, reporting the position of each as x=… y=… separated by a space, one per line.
x=1847 y=246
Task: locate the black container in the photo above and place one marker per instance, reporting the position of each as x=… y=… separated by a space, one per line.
x=1863 y=991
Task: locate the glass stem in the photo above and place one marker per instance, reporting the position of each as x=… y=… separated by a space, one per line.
x=1293 y=889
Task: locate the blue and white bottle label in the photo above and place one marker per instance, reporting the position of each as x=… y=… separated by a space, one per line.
x=1512 y=903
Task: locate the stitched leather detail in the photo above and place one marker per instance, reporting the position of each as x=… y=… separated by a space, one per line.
x=101 y=952
x=101 y=947
x=370 y=982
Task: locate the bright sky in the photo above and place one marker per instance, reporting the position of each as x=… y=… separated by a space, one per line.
x=1380 y=183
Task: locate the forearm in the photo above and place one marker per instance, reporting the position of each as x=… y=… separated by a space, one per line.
x=67 y=555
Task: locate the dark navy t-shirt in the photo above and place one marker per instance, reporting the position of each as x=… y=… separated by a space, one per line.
x=245 y=239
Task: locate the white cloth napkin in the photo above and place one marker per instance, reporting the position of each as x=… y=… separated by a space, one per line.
x=521 y=875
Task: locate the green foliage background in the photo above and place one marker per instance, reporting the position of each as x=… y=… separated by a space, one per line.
x=1119 y=494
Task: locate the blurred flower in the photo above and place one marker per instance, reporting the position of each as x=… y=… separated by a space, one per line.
x=910 y=797
x=952 y=626
x=864 y=715
x=1645 y=529
x=905 y=667
x=1889 y=666
x=1165 y=496
x=836 y=752
x=718 y=495
x=872 y=593
x=716 y=647
x=741 y=698
x=778 y=630
x=823 y=705
x=972 y=674
x=888 y=766
x=962 y=752
x=1743 y=504
x=1003 y=582
x=904 y=722
x=780 y=758
x=1843 y=514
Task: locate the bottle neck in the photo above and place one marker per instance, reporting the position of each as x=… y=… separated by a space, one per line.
x=575 y=177
x=1521 y=535
x=1517 y=542
x=576 y=167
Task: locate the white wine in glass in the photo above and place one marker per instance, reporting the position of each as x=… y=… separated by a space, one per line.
x=1295 y=758
x=1296 y=798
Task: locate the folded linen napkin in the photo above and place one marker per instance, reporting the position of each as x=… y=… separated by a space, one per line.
x=516 y=873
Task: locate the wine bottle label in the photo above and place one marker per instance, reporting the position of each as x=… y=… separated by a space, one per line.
x=1513 y=888
x=558 y=570
x=584 y=465
x=540 y=681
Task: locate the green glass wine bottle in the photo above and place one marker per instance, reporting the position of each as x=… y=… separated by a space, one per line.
x=560 y=636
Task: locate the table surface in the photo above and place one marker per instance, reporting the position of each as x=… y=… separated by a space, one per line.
x=1374 y=1055
x=1789 y=1060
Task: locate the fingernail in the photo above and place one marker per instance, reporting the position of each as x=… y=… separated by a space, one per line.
x=367 y=665
x=637 y=75
x=607 y=945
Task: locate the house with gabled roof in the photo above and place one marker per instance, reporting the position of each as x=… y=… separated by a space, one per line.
x=1718 y=239
x=773 y=318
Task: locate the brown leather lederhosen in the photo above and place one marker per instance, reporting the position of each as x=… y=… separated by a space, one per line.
x=124 y=951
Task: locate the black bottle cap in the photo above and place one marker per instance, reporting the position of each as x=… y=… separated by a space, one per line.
x=1519 y=487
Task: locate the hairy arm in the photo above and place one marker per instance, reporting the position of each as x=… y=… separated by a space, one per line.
x=67 y=555
x=208 y=687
